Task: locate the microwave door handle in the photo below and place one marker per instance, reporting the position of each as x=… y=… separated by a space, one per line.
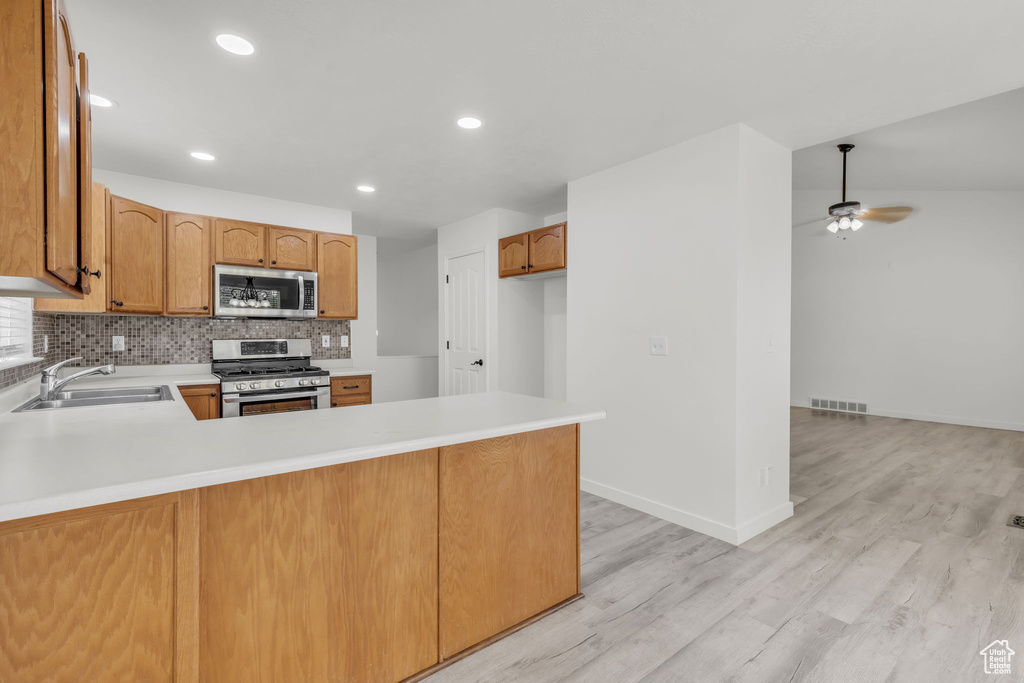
x=274 y=397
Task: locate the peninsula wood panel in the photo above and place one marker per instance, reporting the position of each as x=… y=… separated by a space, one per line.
x=337 y=276
x=509 y=535
x=203 y=400
x=135 y=247
x=327 y=574
x=90 y=595
x=238 y=243
x=547 y=248
x=94 y=254
x=292 y=249
x=189 y=264
x=512 y=255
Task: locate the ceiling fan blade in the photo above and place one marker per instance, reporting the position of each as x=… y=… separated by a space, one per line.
x=886 y=214
x=813 y=220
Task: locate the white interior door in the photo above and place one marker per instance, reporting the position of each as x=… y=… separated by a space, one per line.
x=466 y=292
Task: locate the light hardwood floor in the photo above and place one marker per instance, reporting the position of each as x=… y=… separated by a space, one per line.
x=897 y=566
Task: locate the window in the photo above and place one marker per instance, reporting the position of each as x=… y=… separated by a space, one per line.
x=15 y=330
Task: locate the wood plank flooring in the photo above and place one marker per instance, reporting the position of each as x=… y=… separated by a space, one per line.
x=898 y=565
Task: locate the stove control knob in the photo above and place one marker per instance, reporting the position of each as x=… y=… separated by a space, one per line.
x=254 y=385
x=240 y=386
x=315 y=380
x=279 y=383
x=303 y=382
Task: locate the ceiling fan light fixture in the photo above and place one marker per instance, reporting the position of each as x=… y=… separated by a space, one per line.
x=845 y=223
x=833 y=226
x=856 y=224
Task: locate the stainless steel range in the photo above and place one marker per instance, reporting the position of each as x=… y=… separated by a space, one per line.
x=260 y=376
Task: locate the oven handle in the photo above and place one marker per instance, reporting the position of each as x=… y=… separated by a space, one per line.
x=274 y=397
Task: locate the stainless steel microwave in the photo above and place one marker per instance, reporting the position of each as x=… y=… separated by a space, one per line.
x=240 y=292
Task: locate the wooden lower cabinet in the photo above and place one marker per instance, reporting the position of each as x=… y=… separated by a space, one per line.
x=90 y=595
x=322 y=575
x=203 y=400
x=351 y=391
x=509 y=532
x=371 y=572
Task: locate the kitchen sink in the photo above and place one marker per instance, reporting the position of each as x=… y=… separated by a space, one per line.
x=80 y=398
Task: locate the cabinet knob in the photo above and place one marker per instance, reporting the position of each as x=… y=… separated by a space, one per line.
x=213 y=395
x=273 y=263
x=321 y=313
x=523 y=267
x=206 y=308
x=334 y=405
x=261 y=260
x=85 y=271
x=116 y=302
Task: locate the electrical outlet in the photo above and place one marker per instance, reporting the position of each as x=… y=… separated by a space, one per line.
x=770 y=344
x=325 y=341
x=764 y=477
x=659 y=346
x=343 y=341
x=46 y=343
x=117 y=343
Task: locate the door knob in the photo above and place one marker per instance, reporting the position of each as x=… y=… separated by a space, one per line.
x=478 y=362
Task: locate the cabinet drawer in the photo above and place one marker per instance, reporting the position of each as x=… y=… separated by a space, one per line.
x=354 y=400
x=348 y=386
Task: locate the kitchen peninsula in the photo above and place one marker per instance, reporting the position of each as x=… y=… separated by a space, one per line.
x=376 y=543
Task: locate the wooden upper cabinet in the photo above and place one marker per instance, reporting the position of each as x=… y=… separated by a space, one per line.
x=85 y=189
x=238 y=243
x=292 y=249
x=337 y=276
x=547 y=248
x=94 y=253
x=512 y=255
x=188 y=264
x=44 y=135
x=135 y=247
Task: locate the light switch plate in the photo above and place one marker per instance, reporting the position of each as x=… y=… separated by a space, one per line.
x=117 y=343
x=325 y=341
x=659 y=346
x=343 y=341
x=770 y=344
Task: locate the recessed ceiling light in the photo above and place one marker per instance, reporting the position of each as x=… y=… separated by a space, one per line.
x=366 y=188
x=97 y=101
x=203 y=156
x=469 y=122
x=236 y=45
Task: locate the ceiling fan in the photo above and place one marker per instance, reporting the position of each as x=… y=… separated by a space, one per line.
x=850 y=215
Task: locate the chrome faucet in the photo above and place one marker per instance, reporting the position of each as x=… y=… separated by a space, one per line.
x=49 y=385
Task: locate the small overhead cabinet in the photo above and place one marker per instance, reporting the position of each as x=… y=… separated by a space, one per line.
x=45 y=134
x=188 y=262
x=238 y=243
x=537 y=251
x=337 y=276
x=135 y=247
x=291 y=249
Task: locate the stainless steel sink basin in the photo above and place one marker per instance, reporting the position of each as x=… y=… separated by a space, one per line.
x=80 y=398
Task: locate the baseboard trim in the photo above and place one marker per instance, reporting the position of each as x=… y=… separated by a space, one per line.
x=763 y=522
x=723 y=532
x=941 y=419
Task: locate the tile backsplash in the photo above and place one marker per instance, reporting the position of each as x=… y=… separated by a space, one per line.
x=152 y=340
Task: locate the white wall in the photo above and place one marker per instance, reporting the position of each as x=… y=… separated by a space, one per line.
x=918 y=319
x=555 y=292
x=207 y=201
x=689 y=248
x=407 y=302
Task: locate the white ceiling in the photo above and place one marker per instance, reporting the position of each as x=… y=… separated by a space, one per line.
x=974 y=146
x=367 y=91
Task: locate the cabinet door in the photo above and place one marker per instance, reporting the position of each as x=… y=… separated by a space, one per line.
x=337 y=276
x=351 y=391
x=292 y=249
x=509 y=545
x=240 y=244
x=328 y=574
x=512 y=253
x=203 y=400
x=85 y=190
x=62 y=163
x=136 y=250
x=189 y=264
x=89 y=595
x=94 y=254
x=547 y=248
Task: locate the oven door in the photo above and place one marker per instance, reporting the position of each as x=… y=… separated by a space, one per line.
x=266 y=402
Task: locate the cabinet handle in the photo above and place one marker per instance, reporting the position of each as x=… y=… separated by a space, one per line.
x=116 y=302
x=261 y=260
x=85 y=271
x=354 y=386
x=273 y=263
x=206 y=308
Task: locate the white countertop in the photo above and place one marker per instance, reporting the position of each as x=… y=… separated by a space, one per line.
x=66 y=459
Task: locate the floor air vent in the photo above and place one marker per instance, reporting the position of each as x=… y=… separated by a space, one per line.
x=839 y=406
x=1017 y=521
